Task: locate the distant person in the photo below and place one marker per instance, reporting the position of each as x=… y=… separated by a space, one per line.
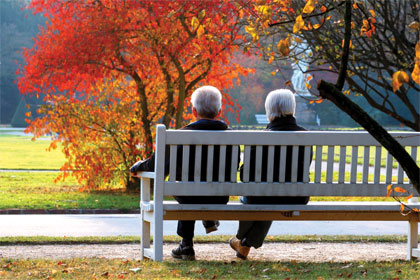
x=206 y=107
x=280 y=109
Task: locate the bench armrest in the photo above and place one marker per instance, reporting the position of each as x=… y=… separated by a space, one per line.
x=146 y=174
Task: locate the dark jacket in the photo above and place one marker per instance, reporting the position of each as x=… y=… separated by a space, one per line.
x=287 y=123
x=203 y=124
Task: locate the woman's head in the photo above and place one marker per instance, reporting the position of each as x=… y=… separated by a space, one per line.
x=280 y=103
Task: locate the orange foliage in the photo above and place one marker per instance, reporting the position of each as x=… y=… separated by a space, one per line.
x=109 y=72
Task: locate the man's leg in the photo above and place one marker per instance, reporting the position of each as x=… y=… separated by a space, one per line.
x=185 y=250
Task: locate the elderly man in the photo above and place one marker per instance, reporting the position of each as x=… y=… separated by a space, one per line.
x=206 y=107
x=280 y=109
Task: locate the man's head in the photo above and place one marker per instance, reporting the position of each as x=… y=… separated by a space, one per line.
x=279 y=103
x=206 y=102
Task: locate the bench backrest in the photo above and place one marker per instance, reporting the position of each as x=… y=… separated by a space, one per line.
x=365 y=170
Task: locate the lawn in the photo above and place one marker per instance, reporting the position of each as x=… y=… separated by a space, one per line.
x=20 y=152
x=99 y=268
x=37 y=190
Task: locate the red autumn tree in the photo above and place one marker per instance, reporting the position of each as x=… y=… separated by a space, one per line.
x=109 y=70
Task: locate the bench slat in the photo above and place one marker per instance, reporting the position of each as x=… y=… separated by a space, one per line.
x=172 y=163
x=330 y=164
x=222 y=163
x=377 y=170
x=306 y=163
x=354 y=158
x=299 y=138
x=210 y=153
x=275 y=189
x=234 y=165
x=318 y=164
x=388 y=174
x=270 y=164
x=295 y=157
x=258 y=163
x=282 y=167
x=400 y=174
x=197 y=167
x=185 y=162
x=366 y=158
x=342 y=164
x=247 y=156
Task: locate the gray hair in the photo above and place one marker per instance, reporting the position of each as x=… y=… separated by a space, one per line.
x=279 y=103
x=207 y=100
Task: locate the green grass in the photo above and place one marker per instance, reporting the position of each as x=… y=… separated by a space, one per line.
x=20 y=152
x=100 y=268
x=37 y=190
x=44 y=240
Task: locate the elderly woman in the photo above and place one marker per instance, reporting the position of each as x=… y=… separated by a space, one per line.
x=280 y=110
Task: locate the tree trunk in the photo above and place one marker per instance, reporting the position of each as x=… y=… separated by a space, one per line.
x=133 y=184
x=330 y=92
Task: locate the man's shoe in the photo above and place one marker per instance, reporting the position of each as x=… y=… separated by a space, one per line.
x=185 y=253
x=241 y=251
x=213 y=228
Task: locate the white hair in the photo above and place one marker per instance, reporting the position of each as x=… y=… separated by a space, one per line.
x=279 y=103
x=207 y=100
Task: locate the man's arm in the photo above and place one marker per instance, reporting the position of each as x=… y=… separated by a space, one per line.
x=143 y=165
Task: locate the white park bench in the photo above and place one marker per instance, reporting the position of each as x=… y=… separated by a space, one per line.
x=328 y=178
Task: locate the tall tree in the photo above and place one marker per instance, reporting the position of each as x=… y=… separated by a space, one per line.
x=111 y=69
x=264 y=15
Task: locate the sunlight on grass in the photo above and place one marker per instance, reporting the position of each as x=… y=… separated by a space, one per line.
x=20 y=152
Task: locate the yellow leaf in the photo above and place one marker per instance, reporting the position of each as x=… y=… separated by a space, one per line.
x=415 y=75
x=402 y=207
x=200 y=31
x=355 y=6
x=307 y=85
x=194 y=23
x=283 y=47
x=410 y=196
x=417 y=49
x=399 y=190
x=415 y=25
x=389 y=187
x=319 y=101
x=316 y=26
x=398 y=78
x=298 y=40
x=241 y=14
x=323 y=9
x=288 y=83
x=309 y=7
x=298 y=24
x=271 y=60
x=372 y=12
x=273 y=73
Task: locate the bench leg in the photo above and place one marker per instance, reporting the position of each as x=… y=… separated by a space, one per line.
x=145 y=235
x=158 y=237
x=413 y=238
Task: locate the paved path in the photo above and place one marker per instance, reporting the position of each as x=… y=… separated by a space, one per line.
x=128 y=224
x=299 y=252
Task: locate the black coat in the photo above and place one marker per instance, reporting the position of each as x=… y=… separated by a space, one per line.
x=287 y=123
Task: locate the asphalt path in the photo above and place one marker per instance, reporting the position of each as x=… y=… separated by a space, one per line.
x=128 y=224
